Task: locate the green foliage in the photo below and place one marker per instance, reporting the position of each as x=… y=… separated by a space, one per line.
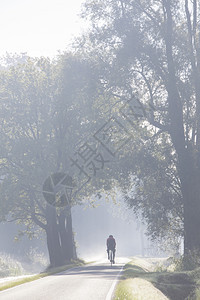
x=10 y=266
x=141 y=46
x=44 y=115
x=47 y=112
x=34 y=261
x=189 y=261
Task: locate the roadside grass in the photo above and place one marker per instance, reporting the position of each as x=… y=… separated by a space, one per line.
x=124 y=291
x=138 y=283
x=49 y=271
x=195 y=276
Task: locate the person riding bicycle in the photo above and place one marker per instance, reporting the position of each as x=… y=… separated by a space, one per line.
x=111 y=244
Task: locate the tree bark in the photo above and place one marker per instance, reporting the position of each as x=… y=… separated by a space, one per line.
x=53 y=239
x=188 y=168
x=191 y=201
x=66 y=234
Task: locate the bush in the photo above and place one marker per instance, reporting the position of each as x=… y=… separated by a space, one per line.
x=9 y=266
x=188 y=262
x=35 y=261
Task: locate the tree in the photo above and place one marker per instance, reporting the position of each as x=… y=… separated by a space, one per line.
x=42 y=116
x=154 y=47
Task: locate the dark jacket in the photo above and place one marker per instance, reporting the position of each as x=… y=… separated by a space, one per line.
x=111 y=244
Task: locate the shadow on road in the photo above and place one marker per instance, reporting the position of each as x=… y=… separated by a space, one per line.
x=95 y=271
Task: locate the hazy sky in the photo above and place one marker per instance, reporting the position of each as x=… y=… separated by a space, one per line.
x=38 y=27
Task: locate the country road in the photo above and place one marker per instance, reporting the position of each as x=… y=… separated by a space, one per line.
x=95 y=281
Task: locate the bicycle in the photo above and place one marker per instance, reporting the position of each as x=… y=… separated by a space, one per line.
x=111 y=256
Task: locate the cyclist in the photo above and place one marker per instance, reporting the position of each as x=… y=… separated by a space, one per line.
x=111 y=244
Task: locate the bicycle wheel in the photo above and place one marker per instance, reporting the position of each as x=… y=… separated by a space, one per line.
x=111 y=257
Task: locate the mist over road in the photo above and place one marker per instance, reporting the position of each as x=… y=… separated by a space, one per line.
x=95 y=281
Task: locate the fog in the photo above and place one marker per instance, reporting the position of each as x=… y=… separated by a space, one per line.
x=92 y=226
x=13 y=244
x=19 y=254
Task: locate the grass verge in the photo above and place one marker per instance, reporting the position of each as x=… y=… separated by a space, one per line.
x=48 y=272
x=195 y=276
x=139 y=284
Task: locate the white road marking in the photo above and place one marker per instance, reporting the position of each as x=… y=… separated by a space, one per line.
x=109 y=295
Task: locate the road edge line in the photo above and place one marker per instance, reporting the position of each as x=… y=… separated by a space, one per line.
x=109 y=295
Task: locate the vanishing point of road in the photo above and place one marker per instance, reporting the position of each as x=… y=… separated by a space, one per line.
x=94 y=281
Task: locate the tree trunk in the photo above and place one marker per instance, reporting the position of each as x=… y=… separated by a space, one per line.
x=190 y=187
x=66 y=234
x=53 y=240
x=187 y=160
x=191 y=205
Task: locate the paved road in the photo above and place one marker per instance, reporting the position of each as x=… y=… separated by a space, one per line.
x=92 y=282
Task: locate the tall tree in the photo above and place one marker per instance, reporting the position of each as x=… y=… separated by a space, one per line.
x=153 y=46
x=42 y=116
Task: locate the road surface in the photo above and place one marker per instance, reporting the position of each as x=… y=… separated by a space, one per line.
x=96 y=281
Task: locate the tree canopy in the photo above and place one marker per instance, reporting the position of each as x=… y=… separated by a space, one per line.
x=43 y=115
x=152 y=52
x=138 y=50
